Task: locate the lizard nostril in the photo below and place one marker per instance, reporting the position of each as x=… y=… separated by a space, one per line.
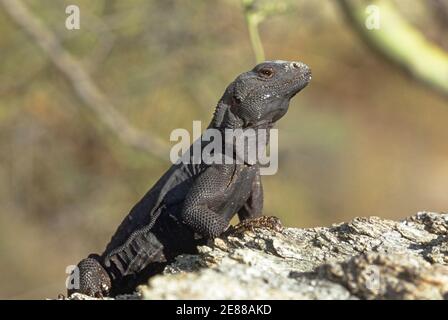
x=295 y=65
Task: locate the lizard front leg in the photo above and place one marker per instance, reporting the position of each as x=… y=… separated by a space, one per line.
x=251 y=214
x=200 y=210
x=253 y=208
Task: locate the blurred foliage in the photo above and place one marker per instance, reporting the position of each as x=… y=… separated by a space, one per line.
x=399 y=41
x=362 y=139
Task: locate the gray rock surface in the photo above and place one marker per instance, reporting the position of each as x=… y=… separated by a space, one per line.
x=366 y=258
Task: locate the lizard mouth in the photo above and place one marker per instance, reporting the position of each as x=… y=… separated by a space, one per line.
x=302 y=81
x=306 y=76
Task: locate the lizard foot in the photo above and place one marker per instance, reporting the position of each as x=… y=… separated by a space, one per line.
x=94 y=280
x=264 y=222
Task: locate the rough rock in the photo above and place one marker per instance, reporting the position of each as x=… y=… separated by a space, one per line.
x=366 y=258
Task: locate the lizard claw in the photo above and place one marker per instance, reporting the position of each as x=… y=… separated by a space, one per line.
x=264 y=222
x=94 y=280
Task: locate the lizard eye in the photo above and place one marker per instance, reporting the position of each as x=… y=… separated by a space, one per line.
x=266 y=72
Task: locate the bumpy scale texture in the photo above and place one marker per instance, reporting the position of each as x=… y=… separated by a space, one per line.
x=193 y=203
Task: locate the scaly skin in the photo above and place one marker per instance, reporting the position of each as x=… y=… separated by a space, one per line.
x=192 y=203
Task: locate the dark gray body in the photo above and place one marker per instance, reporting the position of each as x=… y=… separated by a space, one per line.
x=154 y=233
x=194 y=202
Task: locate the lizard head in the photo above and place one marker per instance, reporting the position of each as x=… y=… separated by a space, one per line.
x=261 y=96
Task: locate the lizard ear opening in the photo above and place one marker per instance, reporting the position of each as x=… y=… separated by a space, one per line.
x=236 y=102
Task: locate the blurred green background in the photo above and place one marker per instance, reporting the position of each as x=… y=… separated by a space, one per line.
x=364 y=138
